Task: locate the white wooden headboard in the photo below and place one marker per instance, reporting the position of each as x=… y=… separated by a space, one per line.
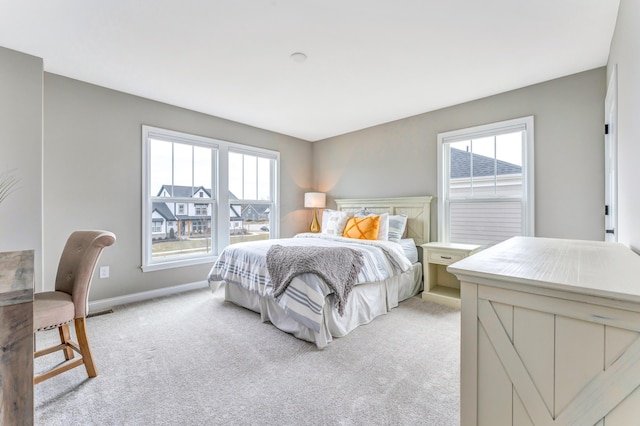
x=417 y=209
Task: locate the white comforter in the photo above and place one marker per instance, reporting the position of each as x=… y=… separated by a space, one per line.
x=244 y=264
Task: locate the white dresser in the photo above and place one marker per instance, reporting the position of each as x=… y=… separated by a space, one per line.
x=550 y=334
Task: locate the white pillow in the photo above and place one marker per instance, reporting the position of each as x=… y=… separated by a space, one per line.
x=410 y=250
x=397 y=225
x=333 y=222
x=326 y=213
x=383 y=231
x=325 y=217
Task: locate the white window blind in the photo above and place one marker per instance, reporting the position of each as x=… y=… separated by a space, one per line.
x=485 y=182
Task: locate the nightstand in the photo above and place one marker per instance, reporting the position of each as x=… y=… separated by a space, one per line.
x=439 y=285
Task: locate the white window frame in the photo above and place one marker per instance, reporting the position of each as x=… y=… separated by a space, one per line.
x=219 y=197
x=491 y=129
x=273 y=227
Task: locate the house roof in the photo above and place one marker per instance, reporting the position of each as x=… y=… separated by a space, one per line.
x=482 y=165
x=183 y=191
x=234 y=211
x=163 y=210
x=259 y=208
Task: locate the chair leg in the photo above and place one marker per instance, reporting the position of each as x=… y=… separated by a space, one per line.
x=65 y=337
x=83 y=342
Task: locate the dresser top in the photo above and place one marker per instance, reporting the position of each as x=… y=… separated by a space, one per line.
x=588 y=267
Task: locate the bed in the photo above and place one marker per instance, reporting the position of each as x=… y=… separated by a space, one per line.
x=308 y=307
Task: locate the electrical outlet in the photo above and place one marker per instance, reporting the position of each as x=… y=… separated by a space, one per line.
x=104 y=272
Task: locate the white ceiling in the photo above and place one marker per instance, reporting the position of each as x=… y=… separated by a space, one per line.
x=369 y=62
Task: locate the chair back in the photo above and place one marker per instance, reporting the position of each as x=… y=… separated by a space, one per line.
x=77 y=264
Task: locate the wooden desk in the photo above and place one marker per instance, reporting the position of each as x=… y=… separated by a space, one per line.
x=16 y=337
x=550 y=333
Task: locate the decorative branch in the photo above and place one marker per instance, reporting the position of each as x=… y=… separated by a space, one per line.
x=7 y=184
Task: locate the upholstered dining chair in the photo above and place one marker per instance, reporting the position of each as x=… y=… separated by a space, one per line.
x=70 y=301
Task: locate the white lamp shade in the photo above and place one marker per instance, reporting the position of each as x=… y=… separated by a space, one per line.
x=315 y=199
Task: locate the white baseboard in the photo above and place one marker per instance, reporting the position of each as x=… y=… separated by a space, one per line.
x=100 y=305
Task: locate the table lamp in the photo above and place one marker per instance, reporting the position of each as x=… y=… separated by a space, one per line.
x=315 y=200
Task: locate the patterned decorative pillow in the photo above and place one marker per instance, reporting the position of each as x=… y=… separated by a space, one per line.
x=362 y=228
x=383 y=231
x=397 y=225
x=333 y=222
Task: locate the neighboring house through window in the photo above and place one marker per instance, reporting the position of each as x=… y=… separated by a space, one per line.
x=186 y=183
x=485 y=183
x=252 y=188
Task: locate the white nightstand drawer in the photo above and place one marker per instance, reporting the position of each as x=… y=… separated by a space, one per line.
x=441 y=286
x=445 y=258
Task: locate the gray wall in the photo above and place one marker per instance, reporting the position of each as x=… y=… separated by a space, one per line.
x=21 y=153
x=399 y=158
x=91 y=160
x=625 y=53
x=92 y=175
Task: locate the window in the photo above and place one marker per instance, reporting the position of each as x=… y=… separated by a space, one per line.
x=251 y=195
x=485 y=182
x=186 y=181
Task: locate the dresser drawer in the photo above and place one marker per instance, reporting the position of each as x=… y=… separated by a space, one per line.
x=444 y=257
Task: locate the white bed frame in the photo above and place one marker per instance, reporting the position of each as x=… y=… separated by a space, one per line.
x=367 y=300
x=417 y=209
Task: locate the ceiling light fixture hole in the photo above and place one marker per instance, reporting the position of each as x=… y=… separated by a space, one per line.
x=298 y=57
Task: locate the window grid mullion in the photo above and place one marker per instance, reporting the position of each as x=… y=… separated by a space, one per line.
x=495 y=166
x=524 y=184
x=173 y=169
x=160 y=213
x=256 y=180
x=471 y=176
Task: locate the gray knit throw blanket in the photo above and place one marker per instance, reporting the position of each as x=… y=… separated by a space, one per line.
x=337 y=266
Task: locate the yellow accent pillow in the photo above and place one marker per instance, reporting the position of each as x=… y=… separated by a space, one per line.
x=362 y=228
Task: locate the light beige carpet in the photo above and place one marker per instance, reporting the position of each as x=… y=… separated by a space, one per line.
x=194 y=359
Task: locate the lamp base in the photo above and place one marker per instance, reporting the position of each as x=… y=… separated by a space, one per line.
x=315 y=226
